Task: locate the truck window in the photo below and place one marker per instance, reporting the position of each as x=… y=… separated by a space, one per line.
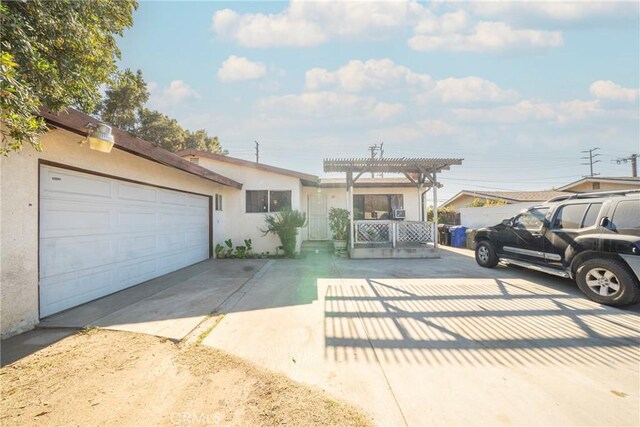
x=591 y=217
x=533 y=219
x=626 y=215
x=570 y=216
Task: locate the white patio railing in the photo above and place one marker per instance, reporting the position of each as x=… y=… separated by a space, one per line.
x=394 y=232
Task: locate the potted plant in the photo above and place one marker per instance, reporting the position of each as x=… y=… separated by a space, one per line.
x=285 y=225
x=339 y=225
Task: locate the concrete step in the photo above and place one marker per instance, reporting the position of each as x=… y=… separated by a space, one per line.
x=316 y=246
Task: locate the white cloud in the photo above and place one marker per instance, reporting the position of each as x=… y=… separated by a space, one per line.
x=357 y=76
x=554 y=11
x=236 y=69
x=329 y=105
x=529 y=111
x=608 y=90
x=306 y=23
x=468 y=90
x=176 y=93
x=492 y=37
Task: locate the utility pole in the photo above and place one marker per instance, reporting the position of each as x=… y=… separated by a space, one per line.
x=374 y=151
x=257 y=152
x=591 y=158
x=381 y=156
x=633 y=158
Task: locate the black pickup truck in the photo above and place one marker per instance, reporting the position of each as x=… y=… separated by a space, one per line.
x=593 y=238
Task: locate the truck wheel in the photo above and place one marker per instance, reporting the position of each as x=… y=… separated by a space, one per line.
x=608 y=281
x=486 y=255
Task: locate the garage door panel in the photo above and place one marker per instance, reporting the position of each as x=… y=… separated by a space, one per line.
x=137 y=220
x=61 y=292
x=112 y=235
x=133 y=273
x=137 y=193
x=58 y=254
x=172 y=198
x=132 y=246
x=197 y=202
x=70 y=185
x=197 y=237
x=61 y=217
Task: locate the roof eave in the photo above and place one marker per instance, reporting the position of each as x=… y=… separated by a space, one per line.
x=75 y=121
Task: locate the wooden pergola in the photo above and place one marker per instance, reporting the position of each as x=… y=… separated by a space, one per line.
x=422 y=172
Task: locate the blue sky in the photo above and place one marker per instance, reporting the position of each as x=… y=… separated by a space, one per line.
x=517 y=89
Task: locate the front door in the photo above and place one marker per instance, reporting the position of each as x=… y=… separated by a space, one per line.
x=318 y=227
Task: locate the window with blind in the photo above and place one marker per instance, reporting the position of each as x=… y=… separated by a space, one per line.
x=376 y=206
x=257 y=201
x=261 y=201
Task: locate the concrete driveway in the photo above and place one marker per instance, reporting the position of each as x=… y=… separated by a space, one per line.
x=169 y=306
x=440 y=341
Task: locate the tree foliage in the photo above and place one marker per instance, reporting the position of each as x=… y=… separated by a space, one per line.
x=124 y=100
x=479 y=203
x=123 y=107
x=160 y=129
x=55 y=53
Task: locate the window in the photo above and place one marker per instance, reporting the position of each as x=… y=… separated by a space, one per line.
x=195 y=160
x=533 y=219
x=218 y=202
x=570 y=216
x=376 y=206
x=268 y=201
x=595 y=185
x=626 y=215
x=591 y=217
x=257 y=201
x=279 y=200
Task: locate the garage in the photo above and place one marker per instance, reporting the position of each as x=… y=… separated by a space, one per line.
x=100 y=234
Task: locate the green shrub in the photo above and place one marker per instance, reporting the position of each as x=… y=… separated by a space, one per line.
x=339 y=223
x=285 y=225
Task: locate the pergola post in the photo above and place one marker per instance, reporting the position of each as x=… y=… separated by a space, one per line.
x=350 y=205
x=435 y=211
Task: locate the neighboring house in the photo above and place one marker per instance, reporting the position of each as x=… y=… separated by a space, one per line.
x=77 y=224
x=464 y=198
x=599 y=183
x=518 y=200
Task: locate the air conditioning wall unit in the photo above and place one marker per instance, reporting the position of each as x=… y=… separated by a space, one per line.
x=399 y=214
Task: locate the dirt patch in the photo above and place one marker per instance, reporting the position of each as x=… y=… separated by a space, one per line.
x=120 y=378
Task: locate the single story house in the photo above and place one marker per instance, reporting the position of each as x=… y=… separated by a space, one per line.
x=77 y=224
x=602 y=183
x=466 y=197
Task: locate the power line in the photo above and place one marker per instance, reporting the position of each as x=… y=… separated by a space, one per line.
x=633 y=158
x=591 y=159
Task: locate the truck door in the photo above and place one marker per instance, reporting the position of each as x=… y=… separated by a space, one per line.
x=574 y=228
x=528 y=228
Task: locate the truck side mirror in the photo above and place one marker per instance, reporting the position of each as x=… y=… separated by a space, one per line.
x=604 y=221
x=507 y=222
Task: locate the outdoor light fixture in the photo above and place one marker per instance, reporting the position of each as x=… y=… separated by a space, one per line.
x=100 y=137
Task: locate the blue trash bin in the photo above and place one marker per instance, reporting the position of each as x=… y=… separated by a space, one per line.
x=458 y=236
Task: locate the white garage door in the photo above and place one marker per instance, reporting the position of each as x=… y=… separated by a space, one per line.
x=100 y=235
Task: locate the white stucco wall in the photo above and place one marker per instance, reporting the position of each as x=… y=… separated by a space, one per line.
x=19 y=212
x=490 y=215
x=239 y=224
